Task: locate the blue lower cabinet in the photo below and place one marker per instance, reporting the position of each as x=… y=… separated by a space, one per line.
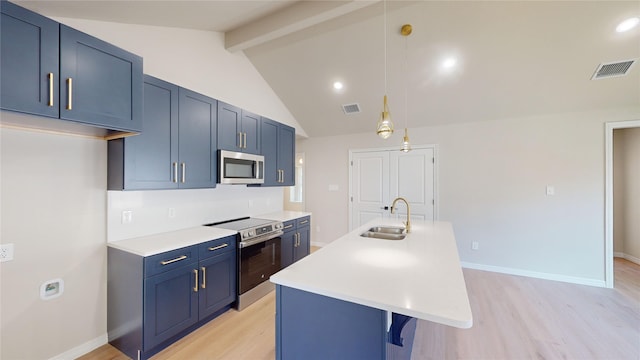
x=170 y=304
x=335 y=329
x=296 y=240
x=218 y=283
x=155 y=300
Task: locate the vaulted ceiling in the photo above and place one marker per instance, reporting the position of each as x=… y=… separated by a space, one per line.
x=513 y=58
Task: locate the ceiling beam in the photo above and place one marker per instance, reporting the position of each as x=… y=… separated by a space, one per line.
x=298 y=16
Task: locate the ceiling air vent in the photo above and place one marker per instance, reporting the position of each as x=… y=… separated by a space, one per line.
x=614 y=69
x=351 y=108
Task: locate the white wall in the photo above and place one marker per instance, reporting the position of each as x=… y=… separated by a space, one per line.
x=55 y=207
x=492 y=179
x=53 y=211
x=627 y=193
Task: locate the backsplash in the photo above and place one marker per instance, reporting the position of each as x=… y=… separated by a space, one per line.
x=159 y=211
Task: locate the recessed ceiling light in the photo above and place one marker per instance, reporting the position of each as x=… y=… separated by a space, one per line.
x=628 y=24
x=338 y=85
x=449 y=63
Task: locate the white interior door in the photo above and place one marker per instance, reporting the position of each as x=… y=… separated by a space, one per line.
x=369 y=171
x=411 y=176
x=380 y=176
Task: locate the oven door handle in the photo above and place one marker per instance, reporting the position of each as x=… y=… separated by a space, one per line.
x=261 y=239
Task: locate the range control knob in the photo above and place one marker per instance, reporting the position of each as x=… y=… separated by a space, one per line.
x=251 y=233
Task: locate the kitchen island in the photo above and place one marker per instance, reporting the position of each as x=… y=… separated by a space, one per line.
x=359 y=297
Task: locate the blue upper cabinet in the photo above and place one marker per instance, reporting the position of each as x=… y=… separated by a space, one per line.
x=29 y=75
x=101 y=83
x=52 y=70
x=149 y=160
x=197 y=140
x=238 y=130
x=278 y=149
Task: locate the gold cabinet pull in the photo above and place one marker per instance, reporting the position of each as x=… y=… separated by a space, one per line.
x=204 y=277
x=304 y=222
x=183 y=167
x=214 y=248
x=240 y=139
x=167 y=262
x=195 y=287
x=174 y=167
x=288 y=227
x=50 y=77
x=70 y=97
x=244 y=140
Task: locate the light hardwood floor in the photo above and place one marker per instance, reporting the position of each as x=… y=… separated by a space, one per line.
x=514 y=318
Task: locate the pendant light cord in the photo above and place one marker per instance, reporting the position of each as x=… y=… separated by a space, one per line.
x=406 y=82
x=384 y=3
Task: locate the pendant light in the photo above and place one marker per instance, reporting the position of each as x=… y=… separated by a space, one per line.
x=385 y=125
x=405 y=31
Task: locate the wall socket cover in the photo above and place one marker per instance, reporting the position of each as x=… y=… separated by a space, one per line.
x=51 y=289
x=6 y=252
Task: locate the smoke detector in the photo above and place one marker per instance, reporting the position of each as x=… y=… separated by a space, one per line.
x=613 y=69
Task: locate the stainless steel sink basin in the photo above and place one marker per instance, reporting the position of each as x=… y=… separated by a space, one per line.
x=387 y=229
x=385 y=233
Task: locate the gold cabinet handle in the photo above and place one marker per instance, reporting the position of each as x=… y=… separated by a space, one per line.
x=244 y=140
x=214 y=248
x=50 y=77
x=204 y=277
x=174 y=166
x=70 y=97
x=195 y=287
x=287 y=227
x=183 y=167
x=304 y=222
x=240 y=139
x=167 y=262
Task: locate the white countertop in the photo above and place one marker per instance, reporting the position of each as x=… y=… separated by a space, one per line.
x=159 y=243
x=419 y=276
x=284 y=215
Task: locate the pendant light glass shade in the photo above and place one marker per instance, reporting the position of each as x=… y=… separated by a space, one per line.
x=406 y=147
x=385 y=125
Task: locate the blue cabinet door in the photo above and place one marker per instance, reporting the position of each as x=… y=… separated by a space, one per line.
x=287 y=248
x=170 y=304
x=251 y=132
x=303 y=247
x=197 y=140
x=149 y=160
x=286 y=154
x=269 y=146
x=229 y=127
x=29 y=75
x=101 y=84
x=218 y=283
x=238 y=130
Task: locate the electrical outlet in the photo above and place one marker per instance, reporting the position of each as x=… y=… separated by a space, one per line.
x=127 y=217
x=550 y=190
x=6 y=252
x=475 y=245
x=172 y=212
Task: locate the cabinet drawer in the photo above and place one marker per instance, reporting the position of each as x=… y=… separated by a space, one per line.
x=218 y=246
x=170 y=260
x=304 y=221
x=289 y=225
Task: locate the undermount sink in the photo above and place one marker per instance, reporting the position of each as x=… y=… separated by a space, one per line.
x=385 y=233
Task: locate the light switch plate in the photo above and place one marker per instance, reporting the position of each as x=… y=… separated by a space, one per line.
x=127 y=217
x=6 y=252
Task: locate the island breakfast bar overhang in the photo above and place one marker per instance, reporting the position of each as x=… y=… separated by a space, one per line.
x=359 y=297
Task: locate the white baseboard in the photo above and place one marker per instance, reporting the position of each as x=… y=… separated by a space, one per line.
x=82 y=349
x=631 y=258
x=534 y=274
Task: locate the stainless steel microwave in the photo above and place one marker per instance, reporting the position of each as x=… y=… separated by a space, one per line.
x=240 y=168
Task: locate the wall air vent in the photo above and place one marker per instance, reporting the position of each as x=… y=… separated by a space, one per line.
x=351 y=108
x=614 y=69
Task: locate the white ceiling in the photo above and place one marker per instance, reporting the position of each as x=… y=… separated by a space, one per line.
x=516 y=59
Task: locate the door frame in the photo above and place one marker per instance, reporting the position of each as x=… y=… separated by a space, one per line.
x=608 y=208
x=436 y=198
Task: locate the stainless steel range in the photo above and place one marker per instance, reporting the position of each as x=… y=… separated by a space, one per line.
x=258 y=256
